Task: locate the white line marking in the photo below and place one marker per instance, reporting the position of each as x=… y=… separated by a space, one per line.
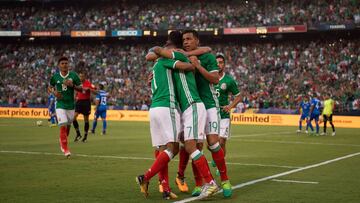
x=261 y=134
x=296 y=142
x=278 y=175
x=294 y=181
x=135 y=158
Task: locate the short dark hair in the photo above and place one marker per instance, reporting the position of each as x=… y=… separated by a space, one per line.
x=101 y=86
x=221 y=56
x=175 y=38
x=194 y=32
x=63 y=58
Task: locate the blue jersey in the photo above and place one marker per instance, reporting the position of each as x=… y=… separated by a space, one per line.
x=102 y=98
x=51 y=102
x=305 y=107
x=316 y=103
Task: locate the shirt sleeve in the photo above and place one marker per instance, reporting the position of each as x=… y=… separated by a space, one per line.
x=212 y=64
x=52 y=81
x=180 y=56
x=169 y=63
x=234 y=88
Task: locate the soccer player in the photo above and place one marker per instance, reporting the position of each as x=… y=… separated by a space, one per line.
x=101 y=106
x=65 y=82
x=226 y=86
x=305 y=109
x=314 y=114
x=83 y=106
x=51 y=108
x=207 y=75
x=327 y=113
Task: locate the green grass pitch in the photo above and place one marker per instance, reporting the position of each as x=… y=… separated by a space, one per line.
x=32 y=168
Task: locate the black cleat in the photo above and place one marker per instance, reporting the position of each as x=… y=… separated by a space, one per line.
x=85 y=138
x=78 y=137
x=144 y=186
x=169 y=195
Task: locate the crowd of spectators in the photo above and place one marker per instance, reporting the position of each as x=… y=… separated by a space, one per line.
x=163 y=15
x=268 y=75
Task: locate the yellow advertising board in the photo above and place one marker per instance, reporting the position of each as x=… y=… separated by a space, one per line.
x=237 y=119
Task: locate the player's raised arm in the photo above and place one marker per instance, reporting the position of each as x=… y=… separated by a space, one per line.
x=213 y=77
x=166 y=53
x=184 y=66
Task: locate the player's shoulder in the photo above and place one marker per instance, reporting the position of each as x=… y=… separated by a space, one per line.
x=207 y=56
x=229 y=77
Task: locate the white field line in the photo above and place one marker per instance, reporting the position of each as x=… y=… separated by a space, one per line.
x=134 y=158
x=261 y=134
x=296 y=142
x=278 y=175
x=295 y=181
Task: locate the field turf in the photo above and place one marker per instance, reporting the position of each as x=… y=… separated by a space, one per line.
x=32 y=168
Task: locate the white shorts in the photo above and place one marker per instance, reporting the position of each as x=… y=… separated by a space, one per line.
x=225 y=128
x=64 y=116
x=193 y=120
x=212 y=121
x=164 y=125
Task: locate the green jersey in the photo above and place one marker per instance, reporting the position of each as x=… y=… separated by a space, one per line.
x=162 y=85
x=67 y=100
x=206 y=89
x=185 y=84
x=226 y=85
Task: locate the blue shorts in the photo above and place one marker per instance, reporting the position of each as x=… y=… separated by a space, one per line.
x=100 y=113
x=314 y=117
x=51 y=111
x=303 y=116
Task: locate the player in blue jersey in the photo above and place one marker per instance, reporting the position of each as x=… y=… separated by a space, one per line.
x=101 y=106
x=314 y=114
x=51 y=108
x=305 y=109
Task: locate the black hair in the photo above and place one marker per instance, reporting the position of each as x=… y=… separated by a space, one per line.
x=220 y=56
x=63 y=58
x=101 y=86
x=175 y=38
x=194 y=32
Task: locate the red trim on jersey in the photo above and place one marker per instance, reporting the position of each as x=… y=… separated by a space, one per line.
x=85 y=94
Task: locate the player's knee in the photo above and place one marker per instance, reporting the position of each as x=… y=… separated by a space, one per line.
x=212 y=139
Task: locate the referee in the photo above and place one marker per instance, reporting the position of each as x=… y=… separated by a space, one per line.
x=83 y=105
x=327 y=113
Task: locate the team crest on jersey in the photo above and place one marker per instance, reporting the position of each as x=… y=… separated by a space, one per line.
x=223 y=86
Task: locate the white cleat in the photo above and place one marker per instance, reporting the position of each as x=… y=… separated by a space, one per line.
x=306 y=132
x=208 y=190
x=333 y=134
x=298 y=131
x=322 y=133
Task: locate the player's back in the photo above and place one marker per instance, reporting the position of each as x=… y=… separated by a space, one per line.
x=206 y=89
x=102 y=95
x=162 y=86
x=316 y=103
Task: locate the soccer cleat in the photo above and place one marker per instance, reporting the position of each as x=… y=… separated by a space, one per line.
x=52 y=125
x=67 y=154
x=182 y=185
x=103 y=133
x=196 y=192
x=306 y=132
x=208 y=190
x=333 y=134
x=77 y=138
x=227 y=189
x=322 y=133
x=85 y=138
x=298 y=131
x=93 y=132
x=161 y=189
x=169 y=195
x=144 y=186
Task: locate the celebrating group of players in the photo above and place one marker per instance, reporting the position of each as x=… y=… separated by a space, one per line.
x=62 y=106
x=189 y=104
